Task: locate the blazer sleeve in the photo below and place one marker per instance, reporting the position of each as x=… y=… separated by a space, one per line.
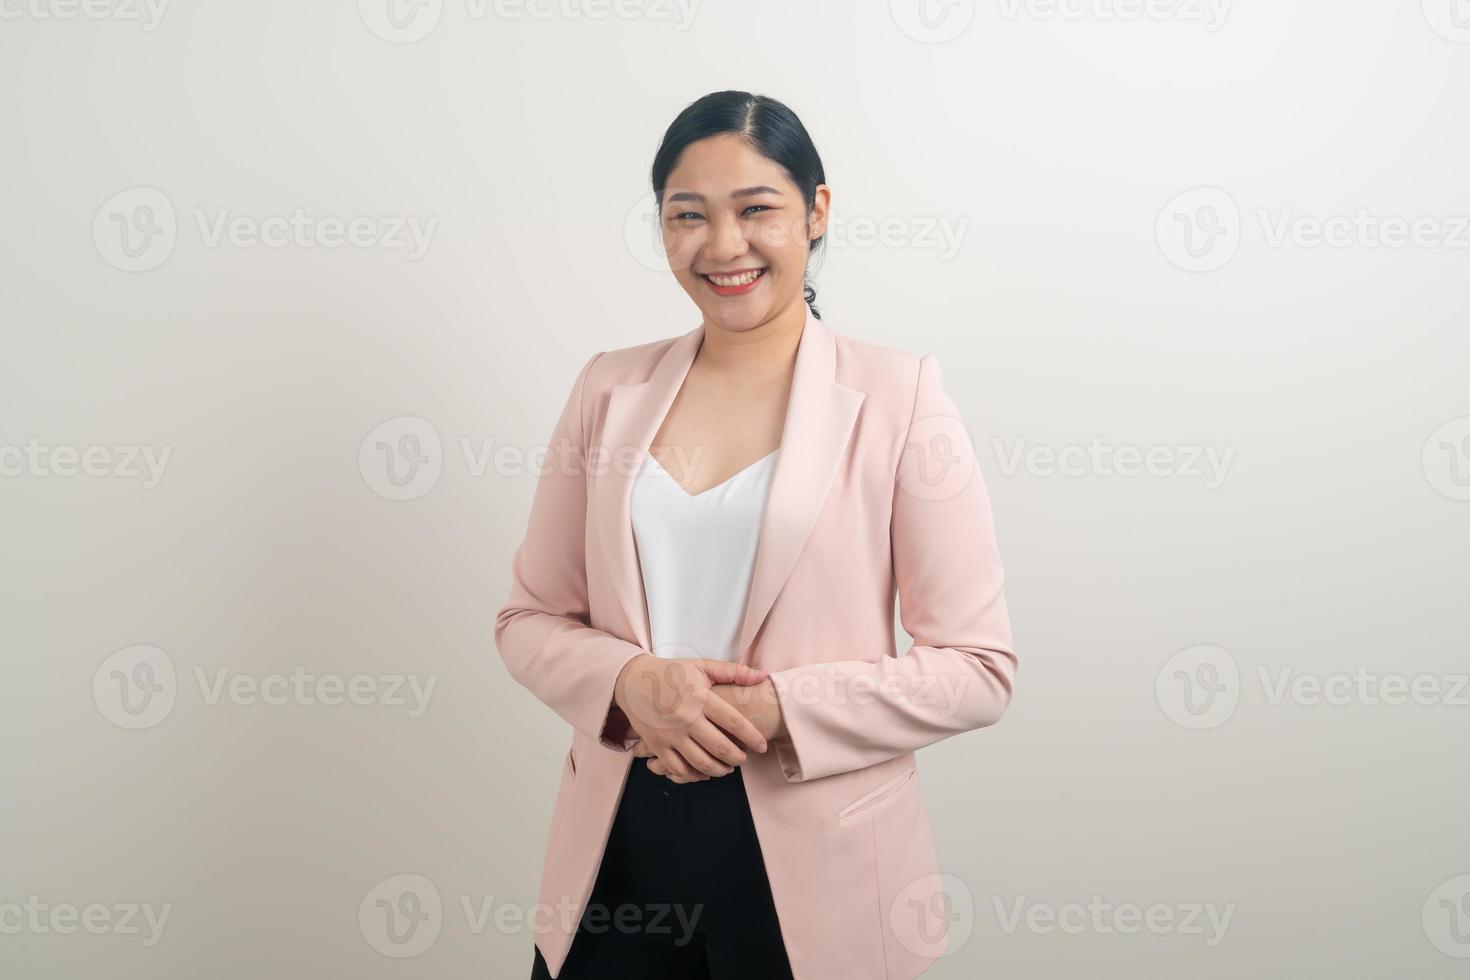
x=542 y=631
x=960 y=670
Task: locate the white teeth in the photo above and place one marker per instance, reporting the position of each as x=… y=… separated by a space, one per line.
x=735 y=280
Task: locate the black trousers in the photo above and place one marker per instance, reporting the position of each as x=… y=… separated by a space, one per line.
x=682 y=892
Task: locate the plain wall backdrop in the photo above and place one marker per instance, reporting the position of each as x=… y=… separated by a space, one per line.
x=292 y=292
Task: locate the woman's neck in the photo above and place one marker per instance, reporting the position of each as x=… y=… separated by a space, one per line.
x=765 y=352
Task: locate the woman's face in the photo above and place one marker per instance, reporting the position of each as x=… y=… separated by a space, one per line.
x=730 y=214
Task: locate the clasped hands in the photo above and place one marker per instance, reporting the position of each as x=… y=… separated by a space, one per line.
x=696 y=718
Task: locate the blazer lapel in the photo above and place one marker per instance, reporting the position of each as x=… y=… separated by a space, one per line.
x=634 y=413
x=820 y=415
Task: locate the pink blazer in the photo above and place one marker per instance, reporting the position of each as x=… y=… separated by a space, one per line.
x=876 y=492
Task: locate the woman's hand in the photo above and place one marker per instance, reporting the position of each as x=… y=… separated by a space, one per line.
x=757 y=702
x=669 y=703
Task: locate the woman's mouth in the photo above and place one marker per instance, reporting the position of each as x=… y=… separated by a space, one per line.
x=734 y=283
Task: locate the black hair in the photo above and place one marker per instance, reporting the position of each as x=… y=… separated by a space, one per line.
x=771 y=129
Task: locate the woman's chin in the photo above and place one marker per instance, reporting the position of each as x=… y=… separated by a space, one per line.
x=737 y=321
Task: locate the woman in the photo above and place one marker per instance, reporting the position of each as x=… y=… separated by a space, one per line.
x=705 y=593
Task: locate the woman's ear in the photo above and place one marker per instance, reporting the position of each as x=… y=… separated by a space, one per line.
x=819 y=210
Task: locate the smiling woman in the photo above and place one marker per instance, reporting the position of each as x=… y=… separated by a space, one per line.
x=744 y=205
x=714 y=622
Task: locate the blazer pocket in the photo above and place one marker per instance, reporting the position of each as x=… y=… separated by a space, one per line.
x=883 y=793
x=572 y=762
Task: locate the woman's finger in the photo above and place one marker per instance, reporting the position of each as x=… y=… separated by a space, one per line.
x=660 y=769
x=676 y=767
x=728 y=672
x=733 y=720
x=700 y=761
x=714 y=741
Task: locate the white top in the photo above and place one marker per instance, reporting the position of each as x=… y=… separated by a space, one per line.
x=697 y=554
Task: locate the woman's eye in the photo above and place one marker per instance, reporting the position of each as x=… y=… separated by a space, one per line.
x=696 y=216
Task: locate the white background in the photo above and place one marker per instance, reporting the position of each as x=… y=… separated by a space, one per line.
x=1082 y=298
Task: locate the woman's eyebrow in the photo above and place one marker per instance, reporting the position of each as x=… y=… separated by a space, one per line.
x=752 y=191
x=743 y=192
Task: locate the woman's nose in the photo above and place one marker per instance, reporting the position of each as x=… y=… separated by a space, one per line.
x=726 y=240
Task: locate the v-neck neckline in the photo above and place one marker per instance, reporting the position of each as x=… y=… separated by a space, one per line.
x=709 y=490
